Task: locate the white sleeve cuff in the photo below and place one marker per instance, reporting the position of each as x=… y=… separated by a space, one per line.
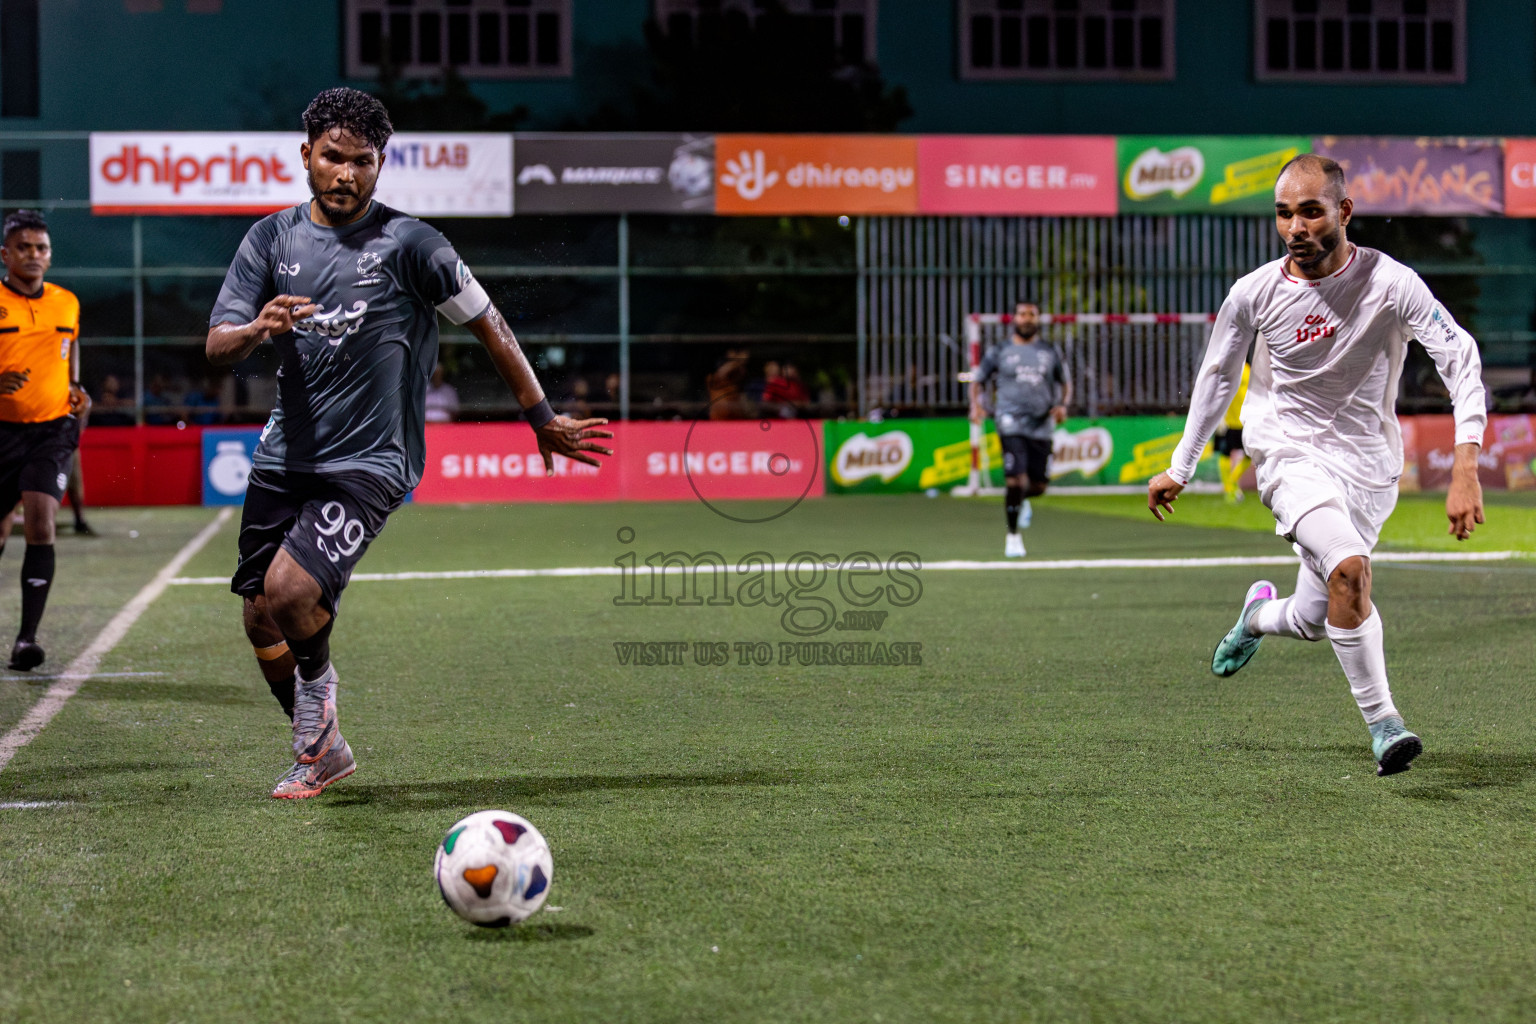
x=468 y=305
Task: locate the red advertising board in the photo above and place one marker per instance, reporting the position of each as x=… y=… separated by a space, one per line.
x=1507 y=460
x=1520 y=177
x=1061 y=175
x=674 y=461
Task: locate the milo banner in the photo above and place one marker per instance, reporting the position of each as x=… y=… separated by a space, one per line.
x=915 y=455
x=1203 y=173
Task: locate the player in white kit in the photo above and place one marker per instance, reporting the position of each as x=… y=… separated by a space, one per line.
x=1329 y=324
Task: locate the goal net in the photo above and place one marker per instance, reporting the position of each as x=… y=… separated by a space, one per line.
x=1119 y=364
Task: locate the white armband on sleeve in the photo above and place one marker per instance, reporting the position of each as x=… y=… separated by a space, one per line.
x=470 y=304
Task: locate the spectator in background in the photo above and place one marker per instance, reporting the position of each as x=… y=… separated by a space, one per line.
x=727 y=399
x=442 y=398
x=157 y=403
x=784 y=391
x=112 y=409
x=577 y=400
x=205 y=406
x=613 y=385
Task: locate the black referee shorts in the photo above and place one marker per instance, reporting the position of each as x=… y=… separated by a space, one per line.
x=1228 y=442
x=1027 y=456
x=36 y=457
x=325 y=521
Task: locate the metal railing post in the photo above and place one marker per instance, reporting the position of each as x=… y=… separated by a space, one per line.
x=138 y=320
x=623 y=316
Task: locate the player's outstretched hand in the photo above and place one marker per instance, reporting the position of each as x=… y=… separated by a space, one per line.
x=1464 y=506
x=279 y=315
x=572 y=438
x=79 y=401
x=1162 y=492
x=11 y=381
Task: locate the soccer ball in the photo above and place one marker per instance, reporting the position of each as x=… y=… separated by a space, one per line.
x=494 y=868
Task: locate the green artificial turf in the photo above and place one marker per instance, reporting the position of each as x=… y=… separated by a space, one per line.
x=1060 y=815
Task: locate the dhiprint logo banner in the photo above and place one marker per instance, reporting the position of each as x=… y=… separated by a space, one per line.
x=810 y=174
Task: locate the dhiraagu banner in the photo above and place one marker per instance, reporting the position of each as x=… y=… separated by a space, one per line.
x=915 y=455
x=1203 y=173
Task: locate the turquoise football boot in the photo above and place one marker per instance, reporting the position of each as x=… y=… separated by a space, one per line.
x=1239 y=645
x=1394 y=746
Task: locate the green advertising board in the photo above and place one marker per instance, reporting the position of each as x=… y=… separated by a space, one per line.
x=915 y=455
x=1203 y=173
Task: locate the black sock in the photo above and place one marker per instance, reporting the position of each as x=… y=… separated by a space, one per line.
x=36 y=580
x=283 y=691
x=1013 y=500
x=314 y=653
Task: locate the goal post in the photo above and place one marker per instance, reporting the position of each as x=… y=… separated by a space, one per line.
x=1156 y=369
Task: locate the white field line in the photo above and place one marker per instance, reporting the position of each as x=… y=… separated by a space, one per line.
x=32 y=805
x=97 y=675
x=84 y=665
x=946 y=566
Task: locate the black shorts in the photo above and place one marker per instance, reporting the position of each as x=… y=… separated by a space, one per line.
x=1231 y=441
x=1027 y=456
x=36 y=457
x=326 y=522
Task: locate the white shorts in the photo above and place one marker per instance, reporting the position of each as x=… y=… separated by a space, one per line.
x=1292 y=487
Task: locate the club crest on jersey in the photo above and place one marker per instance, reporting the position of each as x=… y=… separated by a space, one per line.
x=335 y=325
x=368 y=265
x=1317 y=327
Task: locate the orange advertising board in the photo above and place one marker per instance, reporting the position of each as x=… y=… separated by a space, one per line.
x=810 y=174
x=1520 y=177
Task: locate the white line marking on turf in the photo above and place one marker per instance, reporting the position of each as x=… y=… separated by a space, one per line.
x=32 y=805
x=944 y=566
x=29 y=677
x=84 y=665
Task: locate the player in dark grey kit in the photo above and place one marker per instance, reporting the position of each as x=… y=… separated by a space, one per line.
x=349 y=291
x=1033 y=393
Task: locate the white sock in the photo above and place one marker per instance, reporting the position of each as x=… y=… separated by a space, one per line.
x=1364 y=662
x=1300 y=616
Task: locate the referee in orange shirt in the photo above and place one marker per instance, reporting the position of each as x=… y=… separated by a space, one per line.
x=40 y=395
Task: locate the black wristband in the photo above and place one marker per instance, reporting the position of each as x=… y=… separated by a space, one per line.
x=540 y=414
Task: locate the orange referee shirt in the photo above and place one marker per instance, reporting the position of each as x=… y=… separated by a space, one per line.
x=38 y=335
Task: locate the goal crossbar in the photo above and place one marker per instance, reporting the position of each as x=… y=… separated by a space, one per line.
x=978 y=483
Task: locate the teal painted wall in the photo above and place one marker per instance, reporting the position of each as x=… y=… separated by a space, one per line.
x=257 y=62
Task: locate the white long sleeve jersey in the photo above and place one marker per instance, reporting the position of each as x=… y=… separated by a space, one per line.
x=1326 y=366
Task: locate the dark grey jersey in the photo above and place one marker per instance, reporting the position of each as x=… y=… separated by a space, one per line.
x=353 y=377
x=1030 y=379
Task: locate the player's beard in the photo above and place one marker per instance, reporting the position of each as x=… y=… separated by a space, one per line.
x=1316 y=253
x=337 y=213
x=1026 y=333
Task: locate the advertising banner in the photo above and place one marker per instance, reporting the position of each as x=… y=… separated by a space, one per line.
x=1507 y=461
x=430 y=174
x=915 y=455
x=424 y=174
x=1425 y=177
x=1203 y=174
x=1058 y=175
x=615 y=173
x=1520 y=177
x=777 y=461
x=227 y=464
x=809 y=174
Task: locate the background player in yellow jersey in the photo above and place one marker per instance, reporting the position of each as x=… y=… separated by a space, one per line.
x=40 y=395
x=1232 y=461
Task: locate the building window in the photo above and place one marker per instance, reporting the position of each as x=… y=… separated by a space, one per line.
x=476 y=38
x=1360 y=40
x=1091 y=40
x=843 y=28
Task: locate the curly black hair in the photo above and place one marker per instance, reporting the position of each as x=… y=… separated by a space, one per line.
x=22 y=220
x=352 y=111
